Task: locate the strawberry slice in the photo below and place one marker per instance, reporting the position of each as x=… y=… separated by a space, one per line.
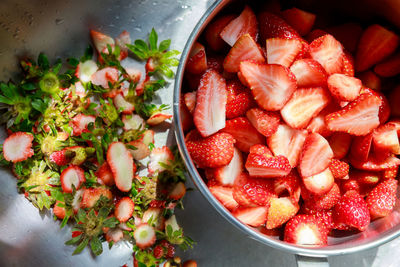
x=72 y=177
x=209 y=114
x=272 y=26
x=121 y=104
x=283 y=51
x=267 y=167
x=348 y=34
x=154 y=217
x=90 y=196
x=288 y=185
x=325 y=201
x=224 y=195
x=339 y=168
x=382 y=199
x=246 y=23
x=124 y=209
x=306 y=230
x=105 y=175
x=18 y=147
x=386 y=140
x=245 y=48
x=141 y=150
x=280 y=211
x=80 y=123
x=197 y=61
x=101 y=40
x=133 y=122
x=304 y=105
x=302 y=21
x=328 y=52
x=319 y=183
x=249 y=192
x=309 y=73
x=121 y=164
x=384 y=108
x=211 y=152
x=271 y=85
x=159 y=157
x=266 y=122
x=104 y=76
x=213 y=31
x=229 y=174
x=190 y=101
x=340 y=144
x=254 y=216
x=239 y=99
x=344 y=88
x=376 y=43
x=389 y=67
x=244 y=133
x=348 y=64
x=158 y=118
x=359 y=117
x=85 y=70
x=375 y=163
x=370 y=80
x=144 y=235
x=316 y=155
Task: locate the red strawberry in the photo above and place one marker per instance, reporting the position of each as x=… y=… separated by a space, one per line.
x=370 y=80
x=266 y=122
x=267 y=167
x=186 y=116
x=71 y=177
x=178 y=191
x=271 y=85
x=144 y=235
x=351 y=210
x=347 y=34
x=101 y=40
x=384 y=108
x=246 y=23
x=105 y=175
x=306 y=230
x=280 y=211
x=190 y=101
x=239 y=99
x=159 y=155
x=324 y=216
x=124 y=209
x=211 y=152
x=121 y=164
x=288 y=185
x=344 y=88
x=197 y=61
x=382 y=198
x=388 y=68
x=104 y=76
x=244 y=133
x=361 y=147
x=365 y=178
x=229 y=174
x=283 y=51
x=59 y=211
x=224 y=195
x=315 y=34
x=316 y=155
x=376 y=43
x=325 y=201
x=386 y=140
x=121 y=104
x=302 y=21
x=318 y=124
x=304 y=105
x=340 y=144
x=394 y=98
x=213 y=30
x=319 y=183
x=253 y=191
x=328 y=52
x=374 y=163
x=209 y=114
x=339 y=168
x=390 y=173
x=254 y=216
x=61 y=157
x=348 y=65
x=80 y=123
x=309 y=73
x=272 y=26
x=359 y=117
x=261 y=150
x=216 y=63
x=90 y=196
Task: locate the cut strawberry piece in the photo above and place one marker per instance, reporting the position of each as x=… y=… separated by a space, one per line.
x=347 y=34
x=287 y=142
x=348 y=65
x=133 y=122
x=246 y=23
x=316 y=155
x=361 y=147
x=324 y=216
x=271 y=85
x=213 y=30
x=178 y=191
x=370 y=79
x=267 y=167
x=359 y=117
x=158 y=118
x=114 y=235
x=105 y=175
x=209 y=114
x=280 y=211
x=351 y=210
x=272 y=26
x=261 y=150
x=133 y=74
x=384 y=108
x=250 y=192
x=154 y=217
x=244 y=133
x=18 y=147
x=104 y=76
x=123 y=105
x=59 y=211
x=159 y=156
x=141 y=150
x=288 y=185
x=229 y=174
x=245 y=48
x=121 y=164
x=343 y=87
x=375 y=163
x=72 y=177
x=254 y=216
x=85 y=70
x=394 y=98
x=315 y=34
x=62 y=157
x=328 y=52
x=306 y=230
x=101 y=40
x=239 y=99
x=376 y=43
x=302 y=21
x=382 y=199
x=386 y=140
x=390 y=173
x=224 y=195
x=325 y=201
x=144 y=235
x=309 y=73
x=366 y=178
x=265 y=122
x=388 y=68
x=90 y=196
x=124 y=209
x=339 y=168
x=197 y=61
x=190 y=101
x=318 y=124
x=211 y=152
x=216 y=63
x=283 y=51
x=80 y=123
x=319 y=183
x=304 y=105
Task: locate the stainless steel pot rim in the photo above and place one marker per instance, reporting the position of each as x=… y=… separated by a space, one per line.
x=198 y=181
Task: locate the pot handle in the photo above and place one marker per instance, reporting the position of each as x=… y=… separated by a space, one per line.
x=305 y=261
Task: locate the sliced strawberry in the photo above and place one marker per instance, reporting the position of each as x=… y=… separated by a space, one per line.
x=266 y=122
x=154 y=217
x=72 y=177
x=245 y=48
x=197 y=61
x=370 y=79
x=59 y=211
x=283 y=51
x=105 y=175
x=267 y=167
x=18 y=147
x=80 y=123
x=359 y=117
x=157 y=118
x=382 y=198
x=147 y=137
x=272 y=26
x=361 y=147
x=280 y=211
x=124 y=209
x=316 y=155
x=229 y=174
x=133 y=122
x=302 y=21
x=85 y=70
x=386 y=140
x=389 y=67
x=390 y=173
x=261 y=150
x=325 y=201
x=209 y=114
x=190 y=101
x=121 y=164
x=215 y=63
x=306 y=230
x=375 y=163
x=287 y=142
x=114 y=235
x=211 y=152
x=304 y=105
x=309 y=73
x=133 y=74
x=246 y=23
x=224 y=195
x=254 y=216
x=348 y=65
x=101 y=40
x=271 y=85
x=213 y=30
x=376 y=43
x=319 y=183
x=144 y=235
x=328 y=52
x=141 y=150
x=288 y=185
x=104 y=76
x=250 y=192
x=384 y=108
x=159 y=156
x=394 y=99
x=339 y=168
x=244 y=133
x=343 y=87
x=318 y=124
x=90 y=196
x=239 y=99
x=121 y=104
x=351 y=210
x=347 y=34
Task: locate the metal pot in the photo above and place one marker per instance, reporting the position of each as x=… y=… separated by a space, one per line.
x=380 y=231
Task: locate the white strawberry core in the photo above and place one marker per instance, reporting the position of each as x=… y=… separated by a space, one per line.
x=133 y=122
x=307 y=236
x=144 y=234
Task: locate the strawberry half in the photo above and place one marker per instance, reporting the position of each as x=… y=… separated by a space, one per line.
x=390 y=173
x=388 y=68
x=302 y=21
x=324 y=216
x=209 y=114
x=319 y=183
x=340 y=144
x=18 y=147
x=306 y=230
x=213 y=30
x=386 y=140
x=344 y=88
x=159 y=156
x=261 y=150
x=224 y=195
x=348 y=64
x=272 y=26
x=250 y=192
x=104 y=76
x=239 y=99
x=90 y=196
x=328 y=52
x=254 y=216
x=325 y=201
x=71 y=177
x=141 y=150
x=124 y=209
x=288 y=185
x=382 y=199
x=80 y=123
x=283 y=51
x=280 y=211
x=105 y=175
x=121 y=164
x=144 y=235
x=267 y=167
x=229 y=174
x=384 y=108
x=271 y=85
x=197 y=61
x=309 y=73
x=361 y=147
x=265 y=122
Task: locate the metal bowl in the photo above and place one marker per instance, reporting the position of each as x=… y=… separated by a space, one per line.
x=380 y=231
